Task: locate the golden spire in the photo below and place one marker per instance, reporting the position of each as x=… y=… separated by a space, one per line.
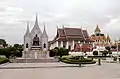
x=104 y=37
x=108 y=38
x=97 y=30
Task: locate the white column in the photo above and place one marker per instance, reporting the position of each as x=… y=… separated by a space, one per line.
x=56 y=43
x=47 y=54
x=73 y=44
x=26 y=53
x=67 y=44
x=61 y=44
x=35 y=55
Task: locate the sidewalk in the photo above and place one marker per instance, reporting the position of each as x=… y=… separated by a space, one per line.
x=35 y=65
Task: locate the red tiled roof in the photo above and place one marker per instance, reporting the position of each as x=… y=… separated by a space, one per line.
x=61 y=32
x=73 y=33
x=85 y=34
x=86 y=47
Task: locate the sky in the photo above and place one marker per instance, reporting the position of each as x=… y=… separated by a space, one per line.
x=14 y=15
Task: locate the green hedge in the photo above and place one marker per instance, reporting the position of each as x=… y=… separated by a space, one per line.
x=76 y=60
x=3 y=60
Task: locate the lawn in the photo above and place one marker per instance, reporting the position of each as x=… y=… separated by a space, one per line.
x=3 y=60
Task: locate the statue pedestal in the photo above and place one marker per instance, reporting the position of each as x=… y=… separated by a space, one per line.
x=37 y=53
x=35 y=47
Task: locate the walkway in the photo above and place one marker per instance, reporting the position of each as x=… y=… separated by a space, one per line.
x=59 y=71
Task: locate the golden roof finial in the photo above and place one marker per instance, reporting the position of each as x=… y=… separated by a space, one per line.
x=97 y=30
x=108 y=38
x=104 y=37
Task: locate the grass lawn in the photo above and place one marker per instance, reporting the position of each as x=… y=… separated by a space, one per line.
x=3 y=60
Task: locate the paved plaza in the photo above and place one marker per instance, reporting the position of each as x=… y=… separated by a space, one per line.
x=59 y=71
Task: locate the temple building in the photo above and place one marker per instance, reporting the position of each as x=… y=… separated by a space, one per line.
x=35 y=42
x=100 y=39
x=69 y=37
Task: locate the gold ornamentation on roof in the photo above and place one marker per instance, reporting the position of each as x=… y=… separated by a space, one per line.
x=97 y=30
x=108 y=38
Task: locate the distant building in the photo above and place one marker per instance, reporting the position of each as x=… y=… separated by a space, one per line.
x=100 y=39
x=68 y=37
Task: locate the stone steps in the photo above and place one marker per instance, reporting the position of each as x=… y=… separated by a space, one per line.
x=32 y=60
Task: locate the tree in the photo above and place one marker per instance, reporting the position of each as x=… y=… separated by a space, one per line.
x=59 y=52
x=55 y=52
x=51 y=53
x=18 y=48
x=5 y=52
x=3 y=42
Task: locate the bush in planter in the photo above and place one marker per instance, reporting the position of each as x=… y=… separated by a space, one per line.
x=113 y=47
x=77 y=60
x=119 y=59
x=114 y=58
x=109 y=52
x=95 y=53
x=107 y=48
x=105 y=52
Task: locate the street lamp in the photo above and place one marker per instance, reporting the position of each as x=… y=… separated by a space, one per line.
x=80 y=55
x=117 y=49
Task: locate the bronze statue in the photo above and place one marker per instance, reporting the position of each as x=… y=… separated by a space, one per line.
x=27 y=45
x=44 y=45
x=36 y=40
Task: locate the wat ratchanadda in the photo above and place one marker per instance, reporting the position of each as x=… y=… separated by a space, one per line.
x=100 y=39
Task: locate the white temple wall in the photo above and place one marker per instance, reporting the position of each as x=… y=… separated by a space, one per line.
x=27 y=40
x=45 y=41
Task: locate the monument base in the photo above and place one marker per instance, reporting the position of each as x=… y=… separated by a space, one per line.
x=35 y=52
x=29 y=60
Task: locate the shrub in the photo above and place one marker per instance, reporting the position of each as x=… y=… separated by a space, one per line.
x=77 y=59
x=51 y=53
x=5 y=52
x=14 y=51
x=110 y=52
x=114 y=58
x=59 y=52
x=105 y=52
x=107 y=48
x=113 y=47
x=95 y=52
x=3 y=60
x=77 y=62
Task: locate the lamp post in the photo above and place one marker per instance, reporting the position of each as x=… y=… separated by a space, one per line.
x=117 y=50
x=26 y=54
x=80 y=56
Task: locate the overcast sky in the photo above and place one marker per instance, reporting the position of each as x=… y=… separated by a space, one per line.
x=14 y=15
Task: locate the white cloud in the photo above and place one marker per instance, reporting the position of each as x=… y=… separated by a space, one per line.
x=113 y=28
x=14 y=9
x=87 y=13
